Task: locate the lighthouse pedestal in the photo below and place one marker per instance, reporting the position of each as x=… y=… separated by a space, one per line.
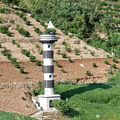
x=43 y=102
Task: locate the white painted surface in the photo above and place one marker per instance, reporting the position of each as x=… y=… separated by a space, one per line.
x=47 y=76
x=46 y=48
x=50 y=25
x=49 y=91
x=48 y=61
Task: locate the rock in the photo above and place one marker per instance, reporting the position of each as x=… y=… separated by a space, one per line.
x=77 y=42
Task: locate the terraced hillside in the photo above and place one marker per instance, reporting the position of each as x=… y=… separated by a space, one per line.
x=21 y=58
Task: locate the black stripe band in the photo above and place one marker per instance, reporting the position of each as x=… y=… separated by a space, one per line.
x=49 y=69
x=47 y=54
x=48 y=83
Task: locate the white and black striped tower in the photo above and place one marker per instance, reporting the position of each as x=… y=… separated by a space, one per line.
x=44 y=101
x=47 y=40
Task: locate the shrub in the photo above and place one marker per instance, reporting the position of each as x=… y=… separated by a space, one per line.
x=28 y=22
x=64 y=43
x=18 y=45
x=24 y=18
x=114 y=66
x=106 y=62
x=70 y=60
x=57 y=64
x=76 y=51
x=37 y=46
x=58 y=52
x=36 y=92
x=22 y=70
x=13 y=42
x=13 y=60
x=67 y=48
x=94 y=65
x=61 y=105
x=32 y=58
x=0 y=46
x=115 y=60
x=88 y=73
x=92 y=53
x=25 y=52
x=24 y=32
x=64 y=55
x=23 y=98
x=12 y=21
x=41 y=51
x=16 y=64
x=62 y=70
x=38 y=62
x=4 y=30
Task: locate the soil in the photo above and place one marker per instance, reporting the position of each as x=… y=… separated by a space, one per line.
x=11 y=100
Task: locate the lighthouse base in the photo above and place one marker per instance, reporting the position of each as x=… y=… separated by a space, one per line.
x=43 y=102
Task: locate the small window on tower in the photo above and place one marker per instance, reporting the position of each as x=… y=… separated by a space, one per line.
x=50 y=76
x=48 y=46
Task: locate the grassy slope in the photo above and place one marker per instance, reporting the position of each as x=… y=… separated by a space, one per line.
x=13 y=116
x=87 y=100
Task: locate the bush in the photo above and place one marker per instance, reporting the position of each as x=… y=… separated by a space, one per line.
x=4 y=30
x=25 y=52
x=18 y=45
x=106 y=62
x=94 y=65
x=76 y=51
x=114 y=66
x=22 y=70
x=28 y=22
x=64 y=43
x=115 y=60
x=12 y=21
x=70 y=60
x=36 y=92
x=32 y=58
x=58 y=52
x=92 y=53
x=41 y=51
x=16 y=64
x=57 y=64
x=61 y=105
x=24 y=32
x=64 y=55
x=13 y=42
x=38 y=62
x=67 y=48
x=62 y=70
x=88 y=73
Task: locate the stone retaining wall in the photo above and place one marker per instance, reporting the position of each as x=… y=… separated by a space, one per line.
x=18 y=85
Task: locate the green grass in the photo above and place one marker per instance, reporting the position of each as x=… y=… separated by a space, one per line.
x=13 y=116
x=87 y=100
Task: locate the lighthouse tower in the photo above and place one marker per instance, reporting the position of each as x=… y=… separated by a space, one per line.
x=44 y=101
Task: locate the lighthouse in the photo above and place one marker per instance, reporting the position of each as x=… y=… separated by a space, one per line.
x=44 y=101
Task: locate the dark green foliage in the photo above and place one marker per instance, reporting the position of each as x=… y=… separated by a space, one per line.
x=88 y=73
x=2 y=20
x=61 y=105
x=41 y=51
x=76 y=51
x=22 y=70
x=18 y=45
x=23 y=32
x=106 y=62
x=38 y=62
x=25 y=52
x=5 y=10
x=67 y=48
x=114 y=66
x=64 y=43
x=4 y=30
x=92 y=53
x=37 y=30
x=13 y=116
x=12 y=21
x=13 y=42
x=57 y=64
x=70 y=60
x=28 y=22
x=115 y=60
x=58 y=52
x=94 y=65
x=48 y=31
x=64 y=55
x=32 y=58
